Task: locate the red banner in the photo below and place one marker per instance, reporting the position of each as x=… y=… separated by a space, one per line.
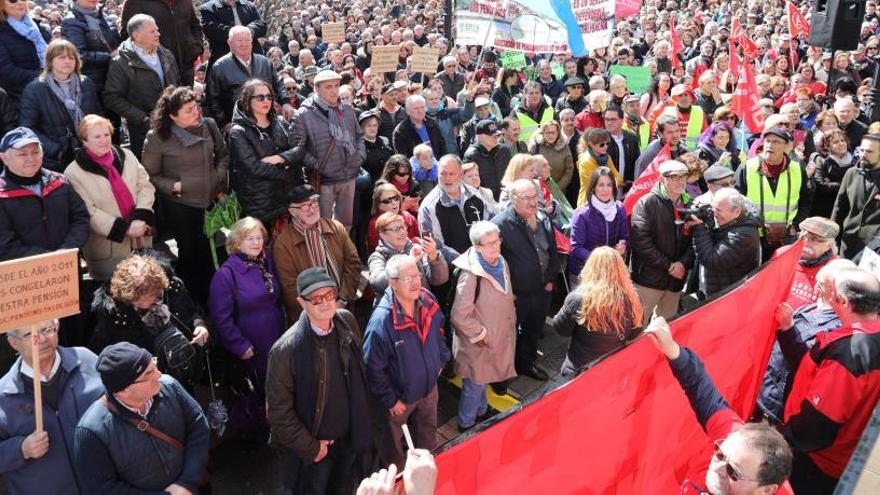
x=627 y=8
x=734 y=58
x=625 y=426
x=746 y=102
x=750 y=49
x=797 y=23
x=646 y=180
x=675 y=41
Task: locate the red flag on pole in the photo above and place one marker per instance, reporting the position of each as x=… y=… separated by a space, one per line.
x=746 y=103
x=676 y=43
x=646 y=181
x=734 y=58
x=750 y=49
x=797 y=23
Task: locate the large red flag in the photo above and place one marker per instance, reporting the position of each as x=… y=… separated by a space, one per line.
x=797 y=23
x=746 y=103
x=646 y=180
x=750 y=49
x=626 y=8
x=734 y=58
x=625 y=426
x=675 y=42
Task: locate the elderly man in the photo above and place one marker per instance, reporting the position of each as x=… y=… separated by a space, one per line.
x=551 y=86
x=661 y=250
x=451 y=80
x=489 y=155
x=530 y=250
x=141 y=70
x=34 y=462
x=468 y=132
x=856 y=208
x=836 y=386
x=691 y=119
x=310 y=240
x=448 y=210
x=306 y=60
x=417 y=129
x=329 y=141
x=39 y=211
x=146 y=434
x=732 y=249
x=219 y=16
x=448 y=119
x=405 y=351
x=181 y=31
x=634 y=122
x=845 y=110
x=324 y=423
x=818 y=236
x=533 y=111
x=708 y=95
x=229 y=73
x=574 y=97
x=592 y=117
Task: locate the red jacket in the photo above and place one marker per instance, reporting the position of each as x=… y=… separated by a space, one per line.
x=834 y=393
x=588 y=119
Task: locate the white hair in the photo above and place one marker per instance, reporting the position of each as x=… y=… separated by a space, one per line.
x=234 y=30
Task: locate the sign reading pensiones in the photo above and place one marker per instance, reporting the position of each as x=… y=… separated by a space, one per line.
x=333 y=32
x=385 y=58
x=38 y=288
x=425 y=60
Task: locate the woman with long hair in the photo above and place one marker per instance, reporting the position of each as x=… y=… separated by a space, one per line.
x=830 y=169
x=187 y=159
x=506 y=88
x=657 y=94
x=602 y=314
x=262 y=165
x=602 y=221
x=521 y=166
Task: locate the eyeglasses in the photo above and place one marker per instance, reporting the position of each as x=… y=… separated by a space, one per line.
x=263 y=97
x=676 y=177
x=602 y=144
x=290 y=88
x=388 y=201
x=611 y=119
x=398 y=228
x=408 y=279
x=149 y=372
x=46 y=332
x=731 y=471
x=402 y=174
x=310 y=204
x=329 y=296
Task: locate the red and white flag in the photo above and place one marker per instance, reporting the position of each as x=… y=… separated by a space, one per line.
x=797 y=23
x=646 y=181
x=746 y=102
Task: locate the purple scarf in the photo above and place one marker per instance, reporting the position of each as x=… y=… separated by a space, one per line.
x=120 y=191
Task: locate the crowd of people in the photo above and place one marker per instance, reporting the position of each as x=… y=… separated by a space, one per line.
x=399 y=226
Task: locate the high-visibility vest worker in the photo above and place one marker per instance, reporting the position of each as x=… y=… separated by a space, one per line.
x=527 y=125
x=781 y=206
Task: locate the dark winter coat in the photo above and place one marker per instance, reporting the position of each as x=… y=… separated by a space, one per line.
x=45 y=114
x=218 y=19
x=729 y=253
x=829 y=174
x=520 y=253
x=405 y=137
x=179 y=27
x=310 y=134
x=8 y=114
x=856 y=210
x=30 y=225
x=18 y=59
x=261 y=187
x=590 y=230
x=491 y=163
x=378 y=152
x=94 y=51
x=226 y=80
x=657 y=242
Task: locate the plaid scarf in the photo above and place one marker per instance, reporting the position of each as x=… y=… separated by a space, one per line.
x=316 y=246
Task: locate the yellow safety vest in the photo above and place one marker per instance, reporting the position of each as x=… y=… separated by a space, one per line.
x=779 y=207
x=694 y=127
x=528 y=126
x=643 y=131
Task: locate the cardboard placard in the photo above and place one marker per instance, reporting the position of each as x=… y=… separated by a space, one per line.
x=513 y=60
x=638 y=78
x=38 y=288
x=333 y=32
x=558 y=69
x=425 y=59
x=385 y=58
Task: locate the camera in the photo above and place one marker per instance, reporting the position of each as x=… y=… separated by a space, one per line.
x=703 y=212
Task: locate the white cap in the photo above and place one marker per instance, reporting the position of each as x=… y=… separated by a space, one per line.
x=673 y=167
x=327 y=75
x=481 y=102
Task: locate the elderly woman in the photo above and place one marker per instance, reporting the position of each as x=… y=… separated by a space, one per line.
x=602 y=314
x=246 y=312
x=394 y=239
x=23 y=45
x=187 y=160
x=552 y=145
x=602 y=221
x=262 y=167
x=593 y=149
x=484 y=319
x=54 y=104
x=117 y=191
x=386 y=198
x=146 y=305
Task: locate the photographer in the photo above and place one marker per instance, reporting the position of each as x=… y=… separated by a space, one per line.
x=731 y=249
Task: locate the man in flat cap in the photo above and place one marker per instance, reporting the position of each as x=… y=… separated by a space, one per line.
x=573 y=97
x=329 y=141
x=146 y=434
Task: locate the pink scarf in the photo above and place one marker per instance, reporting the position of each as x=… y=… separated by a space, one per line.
x=120 y=191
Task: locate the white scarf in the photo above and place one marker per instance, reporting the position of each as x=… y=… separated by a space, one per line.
x=608 y=210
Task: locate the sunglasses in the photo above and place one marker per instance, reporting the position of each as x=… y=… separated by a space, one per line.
x=603 y=144
x=402 y=174
x=329 y=296
x=731 y=471
x=388 y=201
x=263 y=97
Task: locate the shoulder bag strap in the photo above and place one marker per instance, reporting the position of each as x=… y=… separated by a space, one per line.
x=323 y=164
x=143 y=425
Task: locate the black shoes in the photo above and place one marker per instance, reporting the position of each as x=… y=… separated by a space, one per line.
x=535 y=372
x=499 y=388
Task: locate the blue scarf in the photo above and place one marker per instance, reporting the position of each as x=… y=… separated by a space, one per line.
x=421 y=174
x=28 y=29
x=602 y=160
x=496 y=271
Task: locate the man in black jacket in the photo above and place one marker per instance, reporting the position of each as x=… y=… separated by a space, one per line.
x=856 y=209
x=491 y=158
x=529 y=248
x=625 y=150
x=219 y=16
x=417 y=129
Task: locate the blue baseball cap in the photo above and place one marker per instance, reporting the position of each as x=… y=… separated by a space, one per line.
x=17 y=138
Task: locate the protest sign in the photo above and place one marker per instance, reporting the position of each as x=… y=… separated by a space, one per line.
x=558 y=70
x=627 y=8
x=512 y=59
x=638 y=79
x=425 y=60
x=385 y=58
x=333 y=32
x=36 y=289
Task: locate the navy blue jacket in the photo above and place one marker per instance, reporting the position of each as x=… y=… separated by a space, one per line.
x=520 y=253
x=31 y=224
x=94 y=51
x=79 y=386
x=42 y=112
x=403 y=361
x=114 y=457
x=18 y=59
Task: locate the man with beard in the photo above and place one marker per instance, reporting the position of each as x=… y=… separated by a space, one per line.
x=856 y=209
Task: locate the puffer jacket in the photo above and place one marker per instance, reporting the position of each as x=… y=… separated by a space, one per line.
x=42 y=112
x=200 y=167
x=558 y=155
x=179 y=27
x=311 y=137
x=729 y=253
x=18 y=59
x=261 y=187
x=94 y=50
x=448 y=119
x=657 y=242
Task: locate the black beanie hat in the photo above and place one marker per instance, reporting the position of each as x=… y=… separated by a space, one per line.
x=121 y=364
